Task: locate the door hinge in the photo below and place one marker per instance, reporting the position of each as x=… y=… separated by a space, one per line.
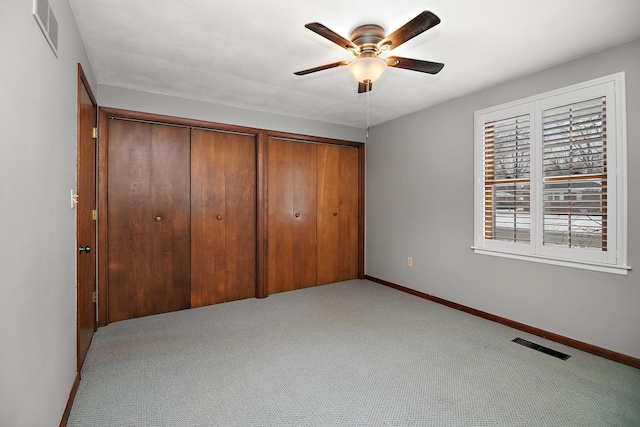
x=94 y=215
x=94 y=297
x=94 y=133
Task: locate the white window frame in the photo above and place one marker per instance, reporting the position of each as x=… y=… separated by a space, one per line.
x=614 y=259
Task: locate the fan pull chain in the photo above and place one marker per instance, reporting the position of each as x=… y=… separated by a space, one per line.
x=368 y=119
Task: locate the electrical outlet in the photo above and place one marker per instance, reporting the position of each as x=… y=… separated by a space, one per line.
x=409 y=262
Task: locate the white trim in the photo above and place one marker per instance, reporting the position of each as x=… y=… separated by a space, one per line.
x=618 y=78
x=621 y=162
x=614 y=260
x=604 y=268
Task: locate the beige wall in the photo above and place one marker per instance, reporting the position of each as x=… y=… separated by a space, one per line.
x=420 y=203
x=116 y=97
x=37 y=225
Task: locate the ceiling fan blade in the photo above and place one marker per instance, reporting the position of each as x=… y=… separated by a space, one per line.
x=328 y=34
x=322 y=67
x=417 y=25
x=415 y=64
x=362 y=87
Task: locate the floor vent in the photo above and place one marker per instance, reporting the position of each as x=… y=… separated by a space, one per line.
x=538 y=347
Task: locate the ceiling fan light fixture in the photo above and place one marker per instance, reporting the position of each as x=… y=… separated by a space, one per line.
x=367 y=68
x=368 y=41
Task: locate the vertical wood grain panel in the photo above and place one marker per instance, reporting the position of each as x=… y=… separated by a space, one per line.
x=305 y=223
x=85 y=225
x=338 y=214
x=208 y=269
x=328 y=214
x=103 y=209
x=148 y=259
x=240 y=211
x=348 y=246
x=279 y=213
x=223 y=209
x=291 y=215
x=261 y=214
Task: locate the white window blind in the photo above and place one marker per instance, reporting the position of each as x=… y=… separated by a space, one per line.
x=507 y=214
x=575 y=175
x=551 y=177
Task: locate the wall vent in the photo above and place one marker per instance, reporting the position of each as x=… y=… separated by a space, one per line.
x=538 y=347
x=47 y=22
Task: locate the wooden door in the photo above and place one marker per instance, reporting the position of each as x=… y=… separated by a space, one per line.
x=148 y=222
x=338 y=184
x=85 y=220
x=223 y=217
x=291 y=215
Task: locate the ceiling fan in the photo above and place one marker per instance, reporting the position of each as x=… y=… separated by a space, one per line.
x=369 y=41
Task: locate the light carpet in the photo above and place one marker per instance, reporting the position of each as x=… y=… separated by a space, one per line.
x=353 y=353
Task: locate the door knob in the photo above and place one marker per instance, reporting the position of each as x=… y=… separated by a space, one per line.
x=85 y=249
x=158 y=218
x=219 y=217
x=297 y=215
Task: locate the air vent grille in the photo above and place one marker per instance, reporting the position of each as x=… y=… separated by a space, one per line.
x=42 y=10
x=48 y=23
x=53 y=30
x=541 y=348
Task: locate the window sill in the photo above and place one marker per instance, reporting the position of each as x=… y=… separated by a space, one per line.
x=604 y=268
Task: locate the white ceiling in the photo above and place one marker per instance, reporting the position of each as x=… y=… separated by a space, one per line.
x=243 y=53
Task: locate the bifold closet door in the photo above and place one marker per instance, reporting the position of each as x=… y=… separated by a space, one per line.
x=338 y=184
x=291 y=215
x=223 y=217
x=148 y=219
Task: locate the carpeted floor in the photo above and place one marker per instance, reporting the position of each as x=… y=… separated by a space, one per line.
x=347 y=354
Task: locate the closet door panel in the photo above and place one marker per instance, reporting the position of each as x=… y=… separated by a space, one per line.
x=208 y=258
x=291 y=215
x=241 y=216
x=223 y=209
x=338 y=183
x=148 y=219
x=349 y=213
x=304 y=215
x=279 y=211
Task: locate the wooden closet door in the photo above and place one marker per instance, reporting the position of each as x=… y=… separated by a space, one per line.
x=223 y=217
x=148 y=219
x=338 y=183
x=291 y=215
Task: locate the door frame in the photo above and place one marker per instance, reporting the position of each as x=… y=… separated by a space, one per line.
x=83 y=84
x=261 y=135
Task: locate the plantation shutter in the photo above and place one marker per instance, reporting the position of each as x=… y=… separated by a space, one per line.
x=575 y=175
x=507 y=187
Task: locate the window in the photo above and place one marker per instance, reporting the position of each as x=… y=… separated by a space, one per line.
x=551 y=178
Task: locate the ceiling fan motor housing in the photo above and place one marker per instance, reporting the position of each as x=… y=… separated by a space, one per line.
x=367 y=37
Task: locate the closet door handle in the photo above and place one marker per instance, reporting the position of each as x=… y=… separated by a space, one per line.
x=219 y=217
x=335 y=214
x=297 y=215
x=158 y=218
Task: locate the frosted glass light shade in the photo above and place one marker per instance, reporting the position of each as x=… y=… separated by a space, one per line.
x=368 y=68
